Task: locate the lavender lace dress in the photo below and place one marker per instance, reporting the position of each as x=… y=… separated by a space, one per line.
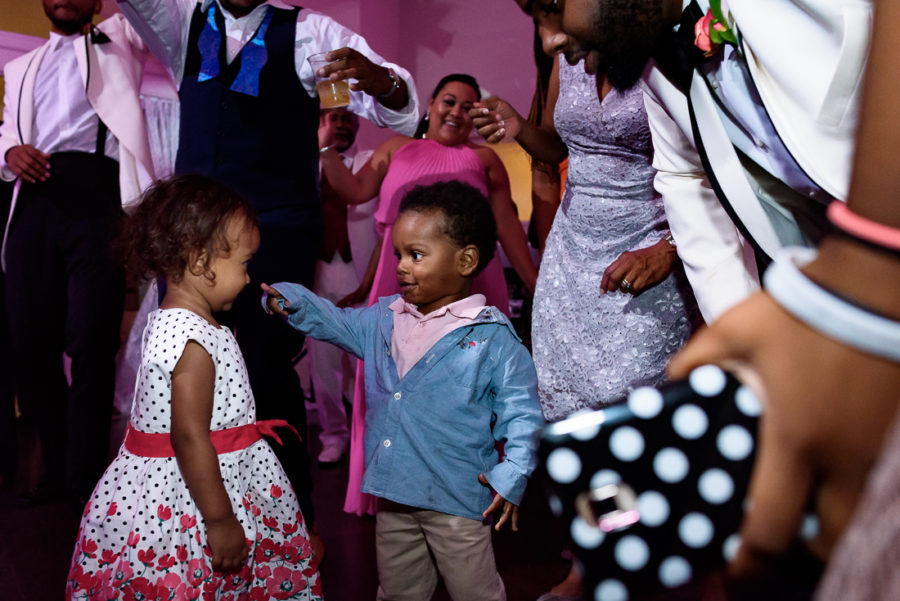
x=590 y=349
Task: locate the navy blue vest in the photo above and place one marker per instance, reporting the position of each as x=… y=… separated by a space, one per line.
x=265 y=147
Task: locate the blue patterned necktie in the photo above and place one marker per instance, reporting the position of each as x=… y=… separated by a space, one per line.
x=253 y=54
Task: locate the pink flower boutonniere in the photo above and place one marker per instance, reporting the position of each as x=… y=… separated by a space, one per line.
x=712 y=30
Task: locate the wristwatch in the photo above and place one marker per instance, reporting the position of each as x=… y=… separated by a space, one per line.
x=395 y=84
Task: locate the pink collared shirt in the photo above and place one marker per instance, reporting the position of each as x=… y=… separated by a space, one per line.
x=415 y=333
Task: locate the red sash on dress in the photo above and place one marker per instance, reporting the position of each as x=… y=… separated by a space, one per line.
x=145 y=444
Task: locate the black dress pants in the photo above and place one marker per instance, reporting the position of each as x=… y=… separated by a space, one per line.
x=8 y=444
x=65 y=293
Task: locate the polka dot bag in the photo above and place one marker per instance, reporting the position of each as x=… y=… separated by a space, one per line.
x=652 y=490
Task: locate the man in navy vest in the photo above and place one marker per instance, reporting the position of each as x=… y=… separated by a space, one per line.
x=249 y=118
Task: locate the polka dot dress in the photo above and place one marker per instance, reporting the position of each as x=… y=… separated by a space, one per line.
x=652 y=490
x=142 y=536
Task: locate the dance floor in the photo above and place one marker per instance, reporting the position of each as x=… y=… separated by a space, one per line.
x=36 y=543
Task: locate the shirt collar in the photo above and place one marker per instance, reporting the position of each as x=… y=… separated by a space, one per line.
x=276 y=3
x=57 y=41
x=466 y=308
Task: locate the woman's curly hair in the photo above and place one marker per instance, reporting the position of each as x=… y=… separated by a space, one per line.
x=176 y=218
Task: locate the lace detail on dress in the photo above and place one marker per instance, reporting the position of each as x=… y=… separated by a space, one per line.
x=590 y=349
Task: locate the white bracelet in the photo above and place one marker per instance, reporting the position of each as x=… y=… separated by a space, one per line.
x=825 y=312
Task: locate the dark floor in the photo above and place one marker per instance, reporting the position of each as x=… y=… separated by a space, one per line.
x=36 y=543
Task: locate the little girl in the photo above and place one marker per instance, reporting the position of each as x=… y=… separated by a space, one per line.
x=195 y=503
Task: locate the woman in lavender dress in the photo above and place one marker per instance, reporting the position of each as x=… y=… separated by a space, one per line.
x=611 y=304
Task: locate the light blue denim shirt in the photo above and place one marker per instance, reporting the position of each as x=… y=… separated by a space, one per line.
x=429 y=434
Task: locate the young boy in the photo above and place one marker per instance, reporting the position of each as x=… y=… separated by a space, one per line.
x=446 y=377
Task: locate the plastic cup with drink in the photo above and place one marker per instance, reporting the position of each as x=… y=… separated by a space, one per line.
x=332 y=94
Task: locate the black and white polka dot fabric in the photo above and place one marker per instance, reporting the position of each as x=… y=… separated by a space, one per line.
x=652 y=489
x=142 y=536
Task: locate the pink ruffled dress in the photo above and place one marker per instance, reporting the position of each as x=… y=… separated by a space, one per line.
x=420 y=162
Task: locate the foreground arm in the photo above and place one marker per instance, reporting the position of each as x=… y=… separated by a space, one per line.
x=193 y=381
x=796 y=365
x=362 y=186
x=519 y=419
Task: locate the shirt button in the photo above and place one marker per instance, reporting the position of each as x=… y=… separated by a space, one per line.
x=387 y=443
x=397 y=396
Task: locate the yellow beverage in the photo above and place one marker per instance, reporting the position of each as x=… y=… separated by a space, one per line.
x=333 y=94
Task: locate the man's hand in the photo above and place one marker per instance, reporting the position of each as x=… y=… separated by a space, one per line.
x=510 y=510
x=495 y=119
x=29 y=163
x=274 y=300
x=347 y=63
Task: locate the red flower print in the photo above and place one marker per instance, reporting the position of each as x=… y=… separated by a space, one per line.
x=166 y=586
x=165 y=562
x=147 y=557
x=262 y=572
x=275 y=491
x=163 y=512
x=87 y=509
x=245 y=501
x=186 y=592
x=181 y=552
x=258 y=594
x=197 y=536
x=139 y=589
x=290 y=553
x=88 y=547
x=113 y=508
x=317 y=588
x=305 y=548
x=83 y=580
x=271 y=523
x=284 y=583
x=256 y=511
x=267 y=550
x=290 y=528
x=197 y=572
x=108 y=557
x=235 y=581
x=133 y=539
x=123 y=573
x=188 y=522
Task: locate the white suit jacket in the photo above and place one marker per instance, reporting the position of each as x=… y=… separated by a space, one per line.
x=806 y=59
x=116 y=69
x=361 y=222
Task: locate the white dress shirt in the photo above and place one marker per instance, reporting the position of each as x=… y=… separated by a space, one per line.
x=165 y=26
x=64 y=118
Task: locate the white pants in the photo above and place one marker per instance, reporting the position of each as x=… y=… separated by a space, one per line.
x=332 y=370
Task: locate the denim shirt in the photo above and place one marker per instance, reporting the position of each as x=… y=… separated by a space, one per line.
x=429 y=434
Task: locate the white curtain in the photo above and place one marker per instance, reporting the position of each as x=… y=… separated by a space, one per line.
x=162 y=116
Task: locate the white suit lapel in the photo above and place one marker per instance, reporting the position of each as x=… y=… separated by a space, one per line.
x=728 y=171
x=25 y=110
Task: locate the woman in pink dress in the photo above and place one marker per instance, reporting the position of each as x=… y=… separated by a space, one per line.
x=443 y=153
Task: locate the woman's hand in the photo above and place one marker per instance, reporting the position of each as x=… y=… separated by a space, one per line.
x=228 y=544
x=275 y=302
x=495 y=119
x=636 y=270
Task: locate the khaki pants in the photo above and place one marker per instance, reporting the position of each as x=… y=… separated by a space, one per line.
x=406 y=539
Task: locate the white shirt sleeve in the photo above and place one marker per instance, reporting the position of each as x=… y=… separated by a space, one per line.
x=719 y=264
x=164 y=26
x=319 y=33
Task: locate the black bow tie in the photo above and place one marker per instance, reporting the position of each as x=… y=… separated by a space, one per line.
x=98 y=37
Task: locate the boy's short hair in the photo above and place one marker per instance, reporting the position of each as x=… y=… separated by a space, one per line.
x=468 y=218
